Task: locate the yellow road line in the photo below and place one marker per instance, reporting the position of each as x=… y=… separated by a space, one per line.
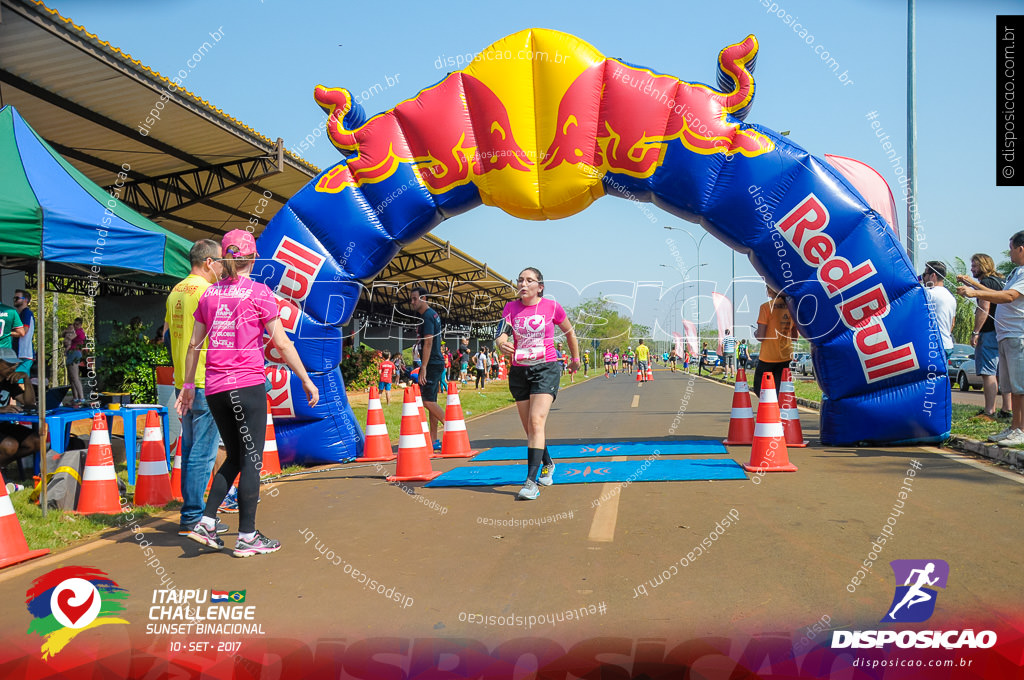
x=602 y=528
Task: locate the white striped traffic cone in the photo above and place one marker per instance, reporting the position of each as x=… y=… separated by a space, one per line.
x=769 y=453
x=99 y=481
x=378 y=441
x=455 y=443
x=413 y=452
x=152 y=486
x=13 y=547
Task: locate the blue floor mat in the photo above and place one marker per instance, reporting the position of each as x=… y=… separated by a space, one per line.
x=597 y=471
x=677 y=448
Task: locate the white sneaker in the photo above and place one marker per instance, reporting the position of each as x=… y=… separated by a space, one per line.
x=1003 y=435
x=1016 y=438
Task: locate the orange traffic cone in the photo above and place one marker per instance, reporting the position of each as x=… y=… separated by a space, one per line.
x=13 y=548
x=413 y=451
x=152 y=486
x=176 y=473
x=378 y=442
x=271 y=459
x=99 y=481
x=741 y=421
x=789 y=412
x=639 y=375
x=650 y=372
x=455 y=443
x=423 y=415
x=769 y=453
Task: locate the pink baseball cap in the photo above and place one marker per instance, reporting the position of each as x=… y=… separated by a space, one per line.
x=242 y=241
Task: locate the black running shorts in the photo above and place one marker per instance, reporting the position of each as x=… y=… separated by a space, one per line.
x=539 y=379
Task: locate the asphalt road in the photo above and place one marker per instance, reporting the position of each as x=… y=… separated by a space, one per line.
x=795 y=541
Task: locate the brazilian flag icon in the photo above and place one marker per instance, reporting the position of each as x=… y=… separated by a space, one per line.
x=236 y=596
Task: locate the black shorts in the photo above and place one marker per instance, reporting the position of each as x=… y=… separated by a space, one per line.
x=428 y=390
x=539 y=379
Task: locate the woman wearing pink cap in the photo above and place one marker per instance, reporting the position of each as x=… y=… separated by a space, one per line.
x=232 y=315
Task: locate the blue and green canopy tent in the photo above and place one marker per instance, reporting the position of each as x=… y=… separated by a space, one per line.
x=52 y=213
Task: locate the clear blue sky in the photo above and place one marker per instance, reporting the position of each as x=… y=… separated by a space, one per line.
x=274 y=52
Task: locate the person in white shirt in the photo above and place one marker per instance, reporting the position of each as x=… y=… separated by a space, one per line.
x=941 y=303
x=1009 y=334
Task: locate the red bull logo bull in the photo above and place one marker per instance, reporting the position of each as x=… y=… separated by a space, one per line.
x=451 y=134
x=543 y=132
x=626 y=128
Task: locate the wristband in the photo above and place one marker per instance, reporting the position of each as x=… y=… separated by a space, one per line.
x=188 y=386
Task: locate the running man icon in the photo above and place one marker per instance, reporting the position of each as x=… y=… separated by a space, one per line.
x=917 y=576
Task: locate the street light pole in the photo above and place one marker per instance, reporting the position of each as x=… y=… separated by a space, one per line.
x=685 y=277
x=697 y=244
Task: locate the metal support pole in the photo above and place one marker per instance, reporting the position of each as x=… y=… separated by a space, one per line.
x=41 y=373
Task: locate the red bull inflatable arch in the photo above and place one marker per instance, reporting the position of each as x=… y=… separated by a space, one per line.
x=541 y=124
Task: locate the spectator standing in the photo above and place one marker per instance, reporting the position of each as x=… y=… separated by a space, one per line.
x=26 y=350
x=432 y=362
x=199 y=436
x=234 y=314
x=743 y=355
x=482 y=362
x=703 y=358
x=983 y=338
x=776 y=331
x=586 y=362
x=11 y=329
x=74 y=342
x=729 y=353
x=941 y=302
x=386 y=375
x=1009 y=324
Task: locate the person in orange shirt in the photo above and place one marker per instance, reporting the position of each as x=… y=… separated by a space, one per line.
x=776 y=331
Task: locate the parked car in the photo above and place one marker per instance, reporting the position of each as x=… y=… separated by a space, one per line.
x=797 y=358
x=805 y=366
x=713 y=359
x=966 y=375
x=957 y=357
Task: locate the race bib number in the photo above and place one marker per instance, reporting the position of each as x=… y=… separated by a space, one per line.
x=529 y=356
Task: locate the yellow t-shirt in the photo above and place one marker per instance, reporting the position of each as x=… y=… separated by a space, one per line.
x=181 y=305
x=642 y=352
x=779 y=334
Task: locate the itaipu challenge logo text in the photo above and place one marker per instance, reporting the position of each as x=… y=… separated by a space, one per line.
x=913 y=602
x=70 y=600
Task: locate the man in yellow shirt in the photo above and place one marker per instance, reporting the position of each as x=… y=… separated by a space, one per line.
x=643 y=352
x=776 y=331
x=199 y=435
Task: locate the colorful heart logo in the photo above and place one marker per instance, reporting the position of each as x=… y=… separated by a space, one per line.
x=74 y=612
x=535 y=322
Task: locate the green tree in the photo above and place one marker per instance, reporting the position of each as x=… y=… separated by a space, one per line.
x=599 y=327
x=125 y=363
x=963 y=321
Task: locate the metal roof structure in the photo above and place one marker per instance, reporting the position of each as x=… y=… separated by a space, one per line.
x=192 y=168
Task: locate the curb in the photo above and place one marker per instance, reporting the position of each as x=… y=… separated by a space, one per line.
x=994 y=452
x=1012 y=457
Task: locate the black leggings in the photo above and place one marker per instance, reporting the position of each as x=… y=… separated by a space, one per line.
x=241 y=417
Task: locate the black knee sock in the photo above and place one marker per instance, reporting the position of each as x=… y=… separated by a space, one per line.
x=533 y=460
x=547 y=457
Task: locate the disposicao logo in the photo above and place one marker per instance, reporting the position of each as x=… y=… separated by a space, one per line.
x=914 y=602
x=69 y=600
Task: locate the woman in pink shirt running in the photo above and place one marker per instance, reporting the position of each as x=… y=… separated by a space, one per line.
x=233 y=315
x=533 y=378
